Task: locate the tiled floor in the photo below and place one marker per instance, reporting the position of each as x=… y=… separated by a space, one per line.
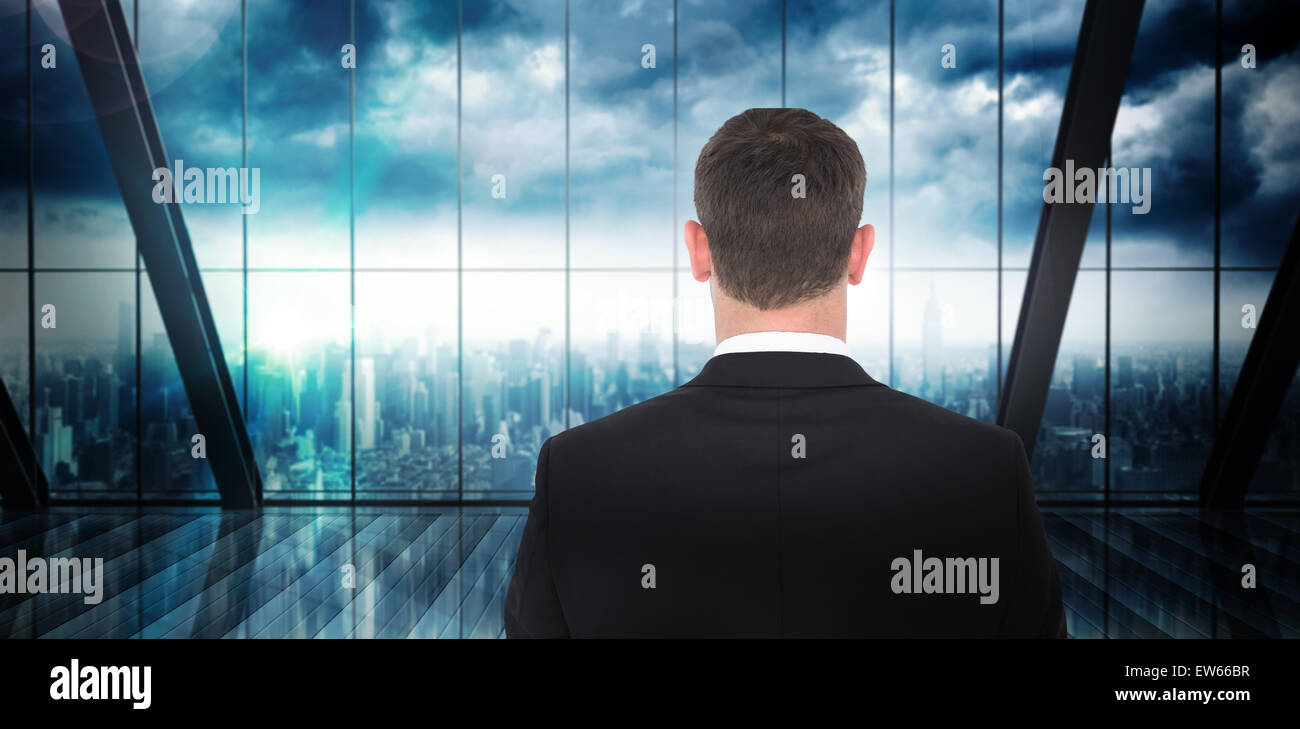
x=443 y=572
x=1177 y=573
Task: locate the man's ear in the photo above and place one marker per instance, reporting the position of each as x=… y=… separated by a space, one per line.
x=697 y=247
x=864 y=240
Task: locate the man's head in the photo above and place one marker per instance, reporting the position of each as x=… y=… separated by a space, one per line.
x=779 y=195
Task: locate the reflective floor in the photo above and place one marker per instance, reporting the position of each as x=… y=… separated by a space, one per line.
x=443 y=572
x=1155 y=573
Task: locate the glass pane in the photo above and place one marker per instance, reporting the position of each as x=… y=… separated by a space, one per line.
x=13 y=133
x=728 y=60
x=407 y=389
x=1242 y=295
x=300 y=384
x=169 y=468
x=298 y=133
x=1013 y=285
x=946 y=134
x=513 y=391
x=837 y=66
x=621 y=140
x=512 y=129
x=14 y=366
x=225 y=292
x=945 y=339
x=622 y=351
x=868 y=325
x=1038 y=53
x=79 y=219
x=406 y=135
x=1260 y=115
x=1063 y=463
x=85 y=430
x=1161 y=349
x=14 y=373
x=191 y=57
x=1165 y=126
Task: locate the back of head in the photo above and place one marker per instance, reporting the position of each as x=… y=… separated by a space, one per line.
x=772 y=247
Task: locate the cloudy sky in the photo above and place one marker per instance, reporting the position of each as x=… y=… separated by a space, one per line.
x=622 y=211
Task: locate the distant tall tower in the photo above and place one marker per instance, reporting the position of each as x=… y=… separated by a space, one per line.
x=367 y=418
x=342 y=416
x=994 y=372
x=1088 y=377
x=125 y=337
x=446 y=399
x=542 y=346
x=49 y=443
x=430 y=352
x=648 y=353
x=406 y=386
x=1125 y=371
x=517 y=361
x=932 y=342
x=611 y=349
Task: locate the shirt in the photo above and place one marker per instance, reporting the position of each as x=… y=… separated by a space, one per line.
x=782 y=342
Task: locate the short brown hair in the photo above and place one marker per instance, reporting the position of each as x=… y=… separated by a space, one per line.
x=769 y=248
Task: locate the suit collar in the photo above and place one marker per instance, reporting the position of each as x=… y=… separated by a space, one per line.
x=780 y=370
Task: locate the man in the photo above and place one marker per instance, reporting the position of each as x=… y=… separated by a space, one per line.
x=783 y=491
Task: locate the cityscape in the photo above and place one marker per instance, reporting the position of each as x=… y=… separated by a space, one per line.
x=406 y=443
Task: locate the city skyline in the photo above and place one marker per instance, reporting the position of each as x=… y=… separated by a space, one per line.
x=407 y=391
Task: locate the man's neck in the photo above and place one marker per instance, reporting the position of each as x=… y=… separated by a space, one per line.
x=826 y=315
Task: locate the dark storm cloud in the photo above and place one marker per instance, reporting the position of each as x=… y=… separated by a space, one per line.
x=606 y=42
x=816 y=31
x=1039 y=40
x=401 y=42
x=1170 y=86
x=922 y=29
x=494 y=15
x=405 y=137
x=1174 y=35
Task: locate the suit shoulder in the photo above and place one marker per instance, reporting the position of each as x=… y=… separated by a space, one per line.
x=646 y=415
x=909 y=410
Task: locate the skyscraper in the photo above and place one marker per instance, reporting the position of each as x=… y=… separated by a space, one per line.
x=1125 y=372
x=994 y=372
x=125 y=337
x=1088 y=377
x=342 y=436
x=430 y=352
x=611 y=350
x=367 y=416
x=648 y=353
x=932 y=342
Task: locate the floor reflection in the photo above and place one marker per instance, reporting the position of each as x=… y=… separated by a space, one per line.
x=442 y=572
x=1155 y=573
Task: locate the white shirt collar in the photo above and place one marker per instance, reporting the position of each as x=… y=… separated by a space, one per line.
x=782 y=342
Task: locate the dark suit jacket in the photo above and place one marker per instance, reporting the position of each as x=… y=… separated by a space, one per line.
x=703 y=490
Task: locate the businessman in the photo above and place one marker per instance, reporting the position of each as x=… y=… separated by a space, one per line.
x=783 y=491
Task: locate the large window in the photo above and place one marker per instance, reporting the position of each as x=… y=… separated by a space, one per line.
x=837 y=62
x=14 y=351
x=469 y=233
